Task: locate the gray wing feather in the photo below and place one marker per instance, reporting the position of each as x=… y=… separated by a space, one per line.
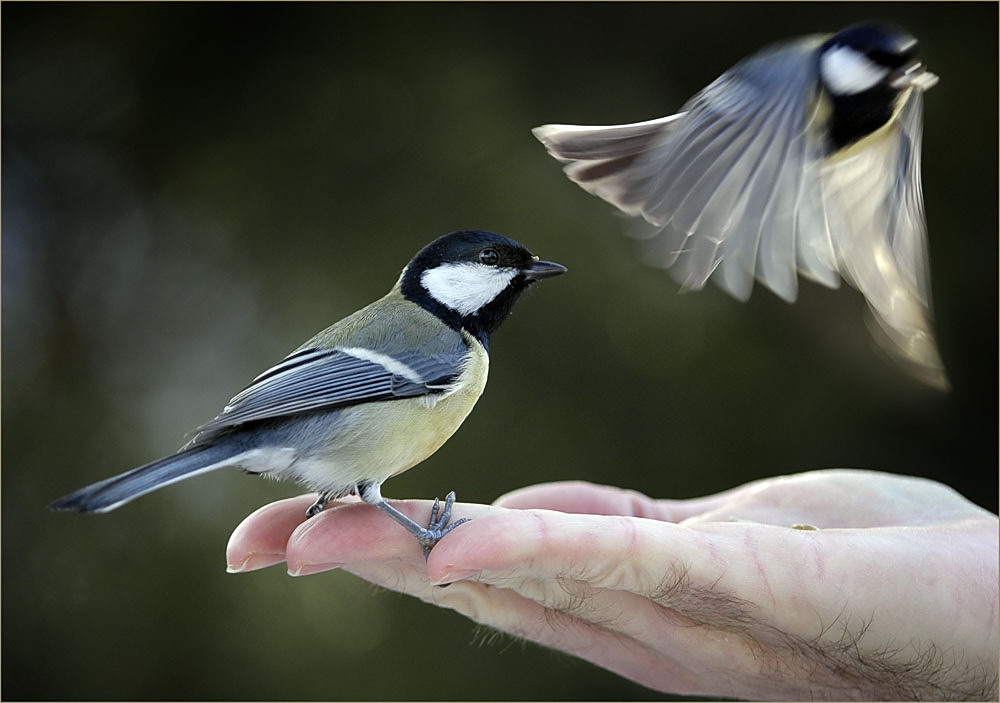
x=603 y=159
x=738 y=187
x=743 y=224
x=725 y=181
x=575 y=143
x=314 y=379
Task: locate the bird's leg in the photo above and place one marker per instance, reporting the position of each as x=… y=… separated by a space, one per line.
x=321 y=502
x=427 y=537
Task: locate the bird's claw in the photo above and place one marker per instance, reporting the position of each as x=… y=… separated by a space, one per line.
x=438 y=526
x=316 y=508
x=323 y=500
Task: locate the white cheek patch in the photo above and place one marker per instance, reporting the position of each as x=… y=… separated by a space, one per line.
x=466 y=287
x=846 y=72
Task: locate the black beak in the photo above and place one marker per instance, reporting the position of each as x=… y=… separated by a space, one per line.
x=543 y=269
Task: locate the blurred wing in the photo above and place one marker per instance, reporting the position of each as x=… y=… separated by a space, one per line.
x=907 y=226
x=731 y=182
x=314 y=379
x=608 y=161
x=874 y=201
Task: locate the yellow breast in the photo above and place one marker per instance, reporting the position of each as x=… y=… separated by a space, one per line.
x=446 y=412
x=382 y=439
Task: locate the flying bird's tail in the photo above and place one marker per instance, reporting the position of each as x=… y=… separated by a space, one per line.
x=914 y=348
x=110 y=493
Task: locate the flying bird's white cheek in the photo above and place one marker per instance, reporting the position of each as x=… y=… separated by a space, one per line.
x=846 y=71
x=466 y=287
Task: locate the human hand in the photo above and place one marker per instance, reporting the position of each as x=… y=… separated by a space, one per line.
x=894 y=596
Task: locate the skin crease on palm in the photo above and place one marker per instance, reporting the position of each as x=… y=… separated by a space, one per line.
x=833 y=584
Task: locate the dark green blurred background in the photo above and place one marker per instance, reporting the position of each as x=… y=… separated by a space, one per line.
x=191 y=190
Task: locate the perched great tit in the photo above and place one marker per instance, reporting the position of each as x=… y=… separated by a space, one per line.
x=369 y=397
x=802 y=158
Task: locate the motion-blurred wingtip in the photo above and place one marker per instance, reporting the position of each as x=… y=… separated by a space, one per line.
x=542 y=131
x=64 y=505
x=915 y=352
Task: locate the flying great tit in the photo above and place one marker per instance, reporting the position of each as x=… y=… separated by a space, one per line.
x=803 y=158
x=369 y=397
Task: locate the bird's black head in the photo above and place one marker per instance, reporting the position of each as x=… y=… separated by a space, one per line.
x=471 y=279
x=864 y=69
x=885 y=45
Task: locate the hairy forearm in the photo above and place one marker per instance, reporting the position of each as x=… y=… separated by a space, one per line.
x=842 y=662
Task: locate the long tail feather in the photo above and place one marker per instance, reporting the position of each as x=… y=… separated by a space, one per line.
x=112 y=492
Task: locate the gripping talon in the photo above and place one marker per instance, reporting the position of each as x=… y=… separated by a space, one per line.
x=317 y=507
x=436 y=522
x=438 y=526
x=323 y=500
x=428 y=536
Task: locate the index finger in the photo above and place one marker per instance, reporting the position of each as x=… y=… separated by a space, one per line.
x=260 y=539
x=594 y=499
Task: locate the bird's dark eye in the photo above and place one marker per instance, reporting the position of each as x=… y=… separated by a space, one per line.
x=490 y=257
x=890 y=60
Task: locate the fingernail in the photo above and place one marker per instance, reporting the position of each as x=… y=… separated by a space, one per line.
x=255 y=561
x=452 y=575
x=307 y=569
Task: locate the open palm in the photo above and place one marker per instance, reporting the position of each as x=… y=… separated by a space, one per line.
x=838 y=584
